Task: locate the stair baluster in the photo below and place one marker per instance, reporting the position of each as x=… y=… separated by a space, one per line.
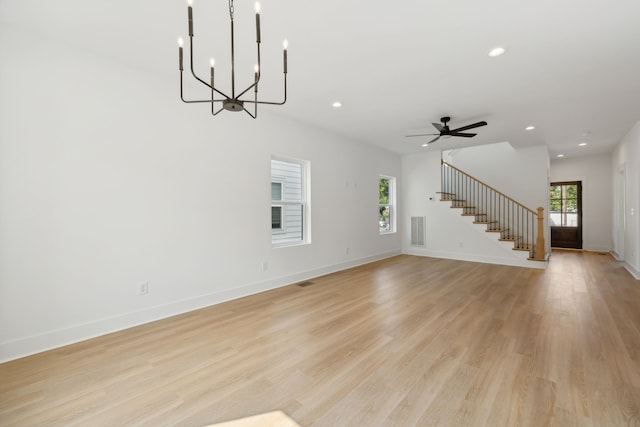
x=512 y=220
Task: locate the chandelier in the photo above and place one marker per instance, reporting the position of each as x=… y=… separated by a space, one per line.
x=233 y=102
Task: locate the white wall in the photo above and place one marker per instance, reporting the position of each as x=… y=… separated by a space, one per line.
x=626 y=159
x=521 y=174
x=597 y=197
x=108 y=181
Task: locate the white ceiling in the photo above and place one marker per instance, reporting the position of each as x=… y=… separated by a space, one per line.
x=572 y=67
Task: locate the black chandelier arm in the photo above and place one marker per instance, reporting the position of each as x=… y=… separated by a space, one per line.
x=213 y=112
x=268 y=102
x=188 y=101
x=255 y=106
x=258 y=72
x=213 y=101
x=250 y=87
x=249 y=113
x=194 y=73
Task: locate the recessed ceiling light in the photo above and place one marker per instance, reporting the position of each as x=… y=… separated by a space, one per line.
x=560 y=155
x=496 y=51
x=582 y=144
x=337 y=104
x=530 y=128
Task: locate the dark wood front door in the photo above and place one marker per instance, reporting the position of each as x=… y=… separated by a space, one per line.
x=565 y=210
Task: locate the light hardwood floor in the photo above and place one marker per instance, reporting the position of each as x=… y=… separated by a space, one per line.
x=407 y=341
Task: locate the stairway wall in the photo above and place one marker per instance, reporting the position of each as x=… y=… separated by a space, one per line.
x=522 y=174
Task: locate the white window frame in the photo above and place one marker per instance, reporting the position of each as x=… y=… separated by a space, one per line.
x=305 y=169
x=391 y=205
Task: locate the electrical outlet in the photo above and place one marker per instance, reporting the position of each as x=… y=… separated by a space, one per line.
x=346 y=251
x=143 y=289
x=265 y=265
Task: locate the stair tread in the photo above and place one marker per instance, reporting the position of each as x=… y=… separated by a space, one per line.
x=502 y=226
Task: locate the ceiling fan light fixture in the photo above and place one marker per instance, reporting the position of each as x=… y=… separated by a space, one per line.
x=445 y=132
x=497 y=51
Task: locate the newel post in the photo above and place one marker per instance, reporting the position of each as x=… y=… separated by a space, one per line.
x=540 y=248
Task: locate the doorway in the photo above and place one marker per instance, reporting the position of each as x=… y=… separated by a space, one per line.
x=619 y=214
x=565 y=214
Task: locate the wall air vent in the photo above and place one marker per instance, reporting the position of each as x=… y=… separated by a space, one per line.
x=305 y=284
x=417 y=230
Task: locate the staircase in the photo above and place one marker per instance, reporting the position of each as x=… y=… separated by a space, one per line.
x=510 y=220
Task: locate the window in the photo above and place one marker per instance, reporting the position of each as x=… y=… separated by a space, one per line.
x=289 y=202
x=276 y=218
x=563 y=201
x=276 y=210
x=386 y=204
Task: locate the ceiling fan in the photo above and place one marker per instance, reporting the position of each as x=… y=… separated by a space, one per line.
x=444 y=130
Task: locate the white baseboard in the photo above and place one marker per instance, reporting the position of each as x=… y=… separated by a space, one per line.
x=49 y=340
x=597 y=248
x=515 y=262
x=635 y=273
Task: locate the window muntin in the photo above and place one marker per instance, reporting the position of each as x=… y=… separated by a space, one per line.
x=386 y=204
x=563 y=205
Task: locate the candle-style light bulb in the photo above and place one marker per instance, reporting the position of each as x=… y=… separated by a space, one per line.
x=190 y=10
x=180 y=54
x=256 y=68
x=180 y=42
x=285 y=45
x=257 y=7
x=212 y=62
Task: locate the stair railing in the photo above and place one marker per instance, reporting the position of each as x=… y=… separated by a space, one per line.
x=514 y=221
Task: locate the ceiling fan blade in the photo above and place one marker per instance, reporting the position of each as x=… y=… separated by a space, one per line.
x=433 y=140
x=438 y=126
x=471 y=126
x=420 y=134
x=464 y=135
